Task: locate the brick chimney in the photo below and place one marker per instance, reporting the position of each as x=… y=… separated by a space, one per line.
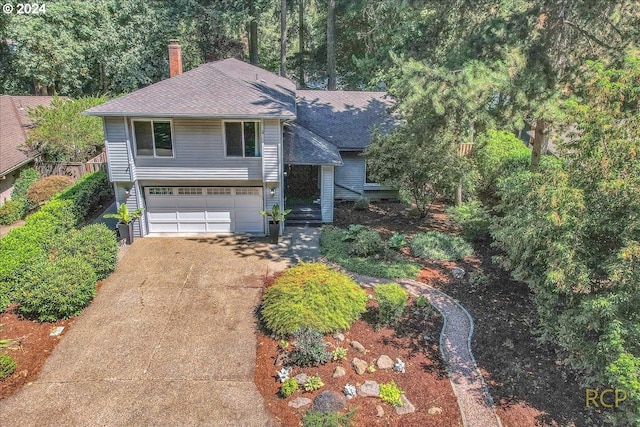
x=175 y=58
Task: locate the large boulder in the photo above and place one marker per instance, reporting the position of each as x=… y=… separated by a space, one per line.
x=328 y=401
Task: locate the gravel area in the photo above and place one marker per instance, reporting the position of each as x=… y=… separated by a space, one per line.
x=474 y=400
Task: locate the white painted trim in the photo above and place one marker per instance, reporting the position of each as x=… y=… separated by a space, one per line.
x=260 y=143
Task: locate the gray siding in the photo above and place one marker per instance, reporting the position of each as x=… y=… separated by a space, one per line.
x=351 y=174
x=115 y=135
x=270 y=201
x=199 y=153
x=326 y=193
x=270 y=154
x=114 y=129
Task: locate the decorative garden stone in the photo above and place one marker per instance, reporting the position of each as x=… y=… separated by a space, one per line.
x=458 y=273
x=369 y=389
x=435 y=410
x=384 y=362
x=379 y=411
x=358 y=347
x=328 y=401
x=299 y=402
x=301 y=378
x=339 y=372
x=406 y=407
x=359 y=365
x=338 y=336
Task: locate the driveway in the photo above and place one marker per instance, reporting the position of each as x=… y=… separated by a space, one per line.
x=168 y=341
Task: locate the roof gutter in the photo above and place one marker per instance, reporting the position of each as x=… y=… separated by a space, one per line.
x=18 y=166
x=191 y=116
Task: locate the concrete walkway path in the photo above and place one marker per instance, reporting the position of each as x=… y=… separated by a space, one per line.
x=168 y=341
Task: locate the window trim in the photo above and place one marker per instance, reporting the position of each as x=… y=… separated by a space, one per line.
x=369 y=184
x=151 y=120
x=242 y=121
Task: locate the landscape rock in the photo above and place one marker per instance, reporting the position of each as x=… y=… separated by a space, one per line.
x=406 y=407
x=339 y=372
x=299 y=402
x=338 y=336
x=434 y=410
x=358 y=347
x=458 y=273
x=379 y=411
x=369 y=389
x=328 y=401
x=301 y=378
x=384 y=362
x=359 y=365
x=281 y=359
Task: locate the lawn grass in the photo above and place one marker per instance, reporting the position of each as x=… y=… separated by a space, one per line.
x=388 y=267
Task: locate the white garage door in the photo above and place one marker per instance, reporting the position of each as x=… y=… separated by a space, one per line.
x=204 y=209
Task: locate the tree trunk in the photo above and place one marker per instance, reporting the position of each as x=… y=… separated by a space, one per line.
x=301 y=42
x=253 y=34
x=283 y=38
x=331 y=44
x=539 y=145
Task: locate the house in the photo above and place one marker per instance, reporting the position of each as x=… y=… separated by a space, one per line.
x=207 y=149
x=14 y=124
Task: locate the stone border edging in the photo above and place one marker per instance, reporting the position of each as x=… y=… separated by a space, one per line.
x=476 y=406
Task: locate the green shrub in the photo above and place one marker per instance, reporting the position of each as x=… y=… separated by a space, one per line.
x=392 y=299
x=53 y=290
x=13 y=210
x=440 y=246
x=334 y=246
x=352 y=231
x=397 y=241
x=472 y=217
x=498 y=154
x=361 y=204
x=25 y=180
x=311 y=295
x=7 y=366
x=339 y=353
x=391 y=393
x=87 y=194
x=289 y=386
x=45 y=188
x=96 y=244
x=366 y=243
x=328 y=419
x=311 y=350
x=313 y=383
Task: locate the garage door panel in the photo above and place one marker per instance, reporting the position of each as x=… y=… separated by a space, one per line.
x=205 y=209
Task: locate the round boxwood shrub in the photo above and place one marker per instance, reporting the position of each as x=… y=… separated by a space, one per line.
x=392 y=299
x=440 y=246
x=366 y=243
x=7 y=365
x=96 y=244
x=58 y=289
x=13 y=210
x=311 y=295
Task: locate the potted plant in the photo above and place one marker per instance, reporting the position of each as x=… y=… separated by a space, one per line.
x=276 y=216
x=125 y=221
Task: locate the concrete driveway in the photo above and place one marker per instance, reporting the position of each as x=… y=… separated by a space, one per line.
x=168 y=341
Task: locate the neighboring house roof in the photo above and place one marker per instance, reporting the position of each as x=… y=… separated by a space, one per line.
x=14 y=122
x=228 y=89
x=303 y=147
x=344 y=118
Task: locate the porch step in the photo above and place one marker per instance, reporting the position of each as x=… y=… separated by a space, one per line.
x=311 y=222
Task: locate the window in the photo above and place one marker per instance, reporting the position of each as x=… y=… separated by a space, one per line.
x=368 y=180
x=242 y=139
x=153 y=138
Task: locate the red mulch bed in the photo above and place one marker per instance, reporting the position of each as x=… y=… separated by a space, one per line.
x=527 y=380
x=35 y=346
x=425 y=382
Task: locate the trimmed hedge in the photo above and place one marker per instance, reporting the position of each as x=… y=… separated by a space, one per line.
x=25 y=180
x=96 y=244
x=312 y=295
x=44 y=230
x=13 y=210
x=440 y=246
x=58 y=289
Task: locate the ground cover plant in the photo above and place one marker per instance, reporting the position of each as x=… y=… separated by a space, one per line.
x=392 y=300
x=361 y=250
x=312 y=295
x=439 y=246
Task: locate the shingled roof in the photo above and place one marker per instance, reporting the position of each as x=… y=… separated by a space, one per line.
x=15 y=121
x=227 y=88
x=303 y=147
x=344 y=118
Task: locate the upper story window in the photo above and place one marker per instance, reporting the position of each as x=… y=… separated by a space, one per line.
x=153 y=138
x=368 y=180
x=242 y=139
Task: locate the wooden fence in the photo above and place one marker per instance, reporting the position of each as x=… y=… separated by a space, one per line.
x=74 y=170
